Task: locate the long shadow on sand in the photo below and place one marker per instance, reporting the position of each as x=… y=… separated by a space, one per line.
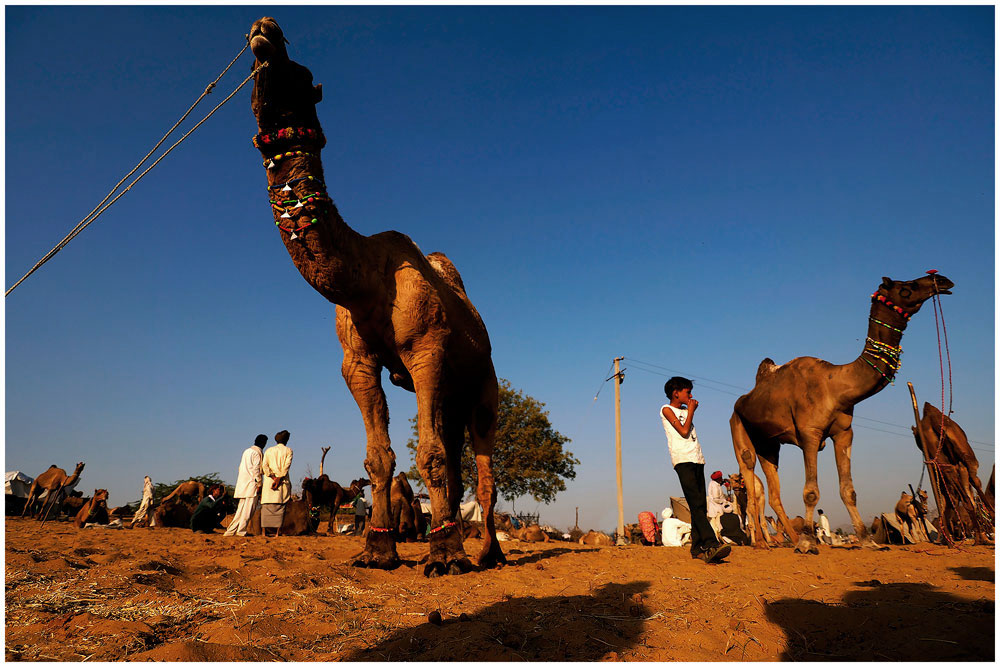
x=514 y=560
x=558 y=628
x=887 y=622
x=975 y=573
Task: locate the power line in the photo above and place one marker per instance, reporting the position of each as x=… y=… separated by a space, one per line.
x=744 y=389
x=603 y=382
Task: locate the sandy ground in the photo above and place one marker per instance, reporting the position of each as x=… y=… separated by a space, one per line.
x=168 y=594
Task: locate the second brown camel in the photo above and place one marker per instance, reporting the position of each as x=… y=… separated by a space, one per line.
x=807 y=400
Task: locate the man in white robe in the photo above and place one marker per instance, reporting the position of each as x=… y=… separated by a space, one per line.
x=147 y=500
x=675 y=533
x=277 y=489
x=248 y=485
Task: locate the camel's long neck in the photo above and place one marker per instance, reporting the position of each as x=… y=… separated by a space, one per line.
x=326 y=251
x=876 y=366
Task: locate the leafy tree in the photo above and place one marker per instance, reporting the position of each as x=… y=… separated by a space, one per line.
x=528 y=459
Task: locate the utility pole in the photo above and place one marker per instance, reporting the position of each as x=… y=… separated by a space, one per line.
x=618 y=450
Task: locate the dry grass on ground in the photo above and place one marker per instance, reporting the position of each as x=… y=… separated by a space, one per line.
x=168 y=594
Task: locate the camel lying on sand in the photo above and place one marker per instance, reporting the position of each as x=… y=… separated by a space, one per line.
x=94 y=511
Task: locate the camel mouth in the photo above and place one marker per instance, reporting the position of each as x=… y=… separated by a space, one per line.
x=266 y=38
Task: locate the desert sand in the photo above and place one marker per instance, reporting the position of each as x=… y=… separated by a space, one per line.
x=169 y=594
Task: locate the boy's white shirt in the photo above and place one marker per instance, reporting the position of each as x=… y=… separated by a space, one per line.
x=682 y=450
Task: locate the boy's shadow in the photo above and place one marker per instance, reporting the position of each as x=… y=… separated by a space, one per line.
x=557 y=628
x=887 y=622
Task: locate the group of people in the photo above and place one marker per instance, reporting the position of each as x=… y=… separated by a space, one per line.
x=252 y=491
x=714 y=518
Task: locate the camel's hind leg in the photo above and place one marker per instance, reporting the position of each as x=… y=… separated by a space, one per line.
x=33 y=492
x=747 y=461
x=363 y=375
x=842 y=453
x=810 y=493
x=447 y=553
x=483 y=430
x=770 y=468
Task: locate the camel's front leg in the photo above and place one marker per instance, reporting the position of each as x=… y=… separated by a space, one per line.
x=363 y=376
x=447 y=555
x=810 y=492
x=747 y=461
x=842 y=452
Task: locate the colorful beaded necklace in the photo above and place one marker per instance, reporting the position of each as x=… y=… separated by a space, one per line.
x=443 y=526
x=287 y=185
x=888 y=355
x=283 y=205
x=261 y=140
x=887 y=326
x=272 y=162
x=878 y=297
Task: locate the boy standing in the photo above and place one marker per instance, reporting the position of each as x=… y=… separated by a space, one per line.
x=685 y=455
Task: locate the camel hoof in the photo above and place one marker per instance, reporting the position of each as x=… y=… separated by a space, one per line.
x=377 y=562
x=435 y=569
x=491 y=557
x=806 y=546
x=459 y=566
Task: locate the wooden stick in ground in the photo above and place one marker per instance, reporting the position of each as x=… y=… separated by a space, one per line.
x=321 y=459
x=931 y=469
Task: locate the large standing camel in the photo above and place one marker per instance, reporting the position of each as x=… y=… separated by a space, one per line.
x=396 y=309
x=807 y=400
x=52 y=482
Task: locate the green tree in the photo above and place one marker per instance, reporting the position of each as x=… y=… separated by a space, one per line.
x=528 y=459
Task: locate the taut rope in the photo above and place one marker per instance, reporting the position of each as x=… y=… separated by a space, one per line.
x=98 y=210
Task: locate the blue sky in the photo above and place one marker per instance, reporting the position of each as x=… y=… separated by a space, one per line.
x=692 y=188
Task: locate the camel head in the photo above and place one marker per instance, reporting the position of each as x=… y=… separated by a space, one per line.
x=100 y=498
x=283 y=94
x=359 y=484
x=79 y=468
x=909 y=295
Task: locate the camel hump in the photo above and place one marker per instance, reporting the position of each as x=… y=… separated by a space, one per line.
x=767 y=366
x=446 y=270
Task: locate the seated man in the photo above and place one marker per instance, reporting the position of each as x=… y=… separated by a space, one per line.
x=675 y=533
x=732 y=530
x=210 y=511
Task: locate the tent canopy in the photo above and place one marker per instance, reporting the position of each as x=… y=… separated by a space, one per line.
x=17 y=483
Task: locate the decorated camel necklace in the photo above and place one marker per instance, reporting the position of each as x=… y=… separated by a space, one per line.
x=300 y=212
x=888 y=355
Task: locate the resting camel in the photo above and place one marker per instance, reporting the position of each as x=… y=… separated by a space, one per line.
x=910 y=517
x=297 y=520
x=52 y=482
x=187 y=490
x=989 y=488
x=807 y=400
x=742 y=501
x=397 y=309
x=403 y=520
x=321 y=492
x=960 y=470
x=95 y=511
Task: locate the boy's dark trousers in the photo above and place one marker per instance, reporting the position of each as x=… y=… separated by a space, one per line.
x=692 y=477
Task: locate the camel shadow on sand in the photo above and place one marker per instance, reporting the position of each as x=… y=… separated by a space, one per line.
x=975 y=573
x=558 y=628
x=537 y=556
x=887 y=622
